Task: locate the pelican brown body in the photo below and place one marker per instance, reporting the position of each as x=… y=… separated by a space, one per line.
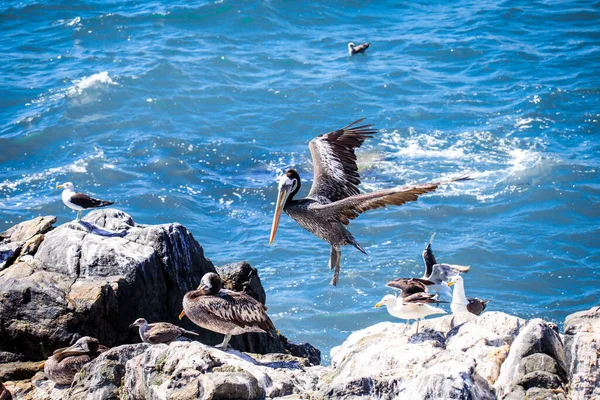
x=159 y=332
x=62 y=366
x=223 y=311
x=334 y=198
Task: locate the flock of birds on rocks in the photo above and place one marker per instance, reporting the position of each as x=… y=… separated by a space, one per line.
x=333 y=200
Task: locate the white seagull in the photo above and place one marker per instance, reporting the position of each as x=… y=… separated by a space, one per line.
x=79 y=201
x=360 y=49
x=460 y=301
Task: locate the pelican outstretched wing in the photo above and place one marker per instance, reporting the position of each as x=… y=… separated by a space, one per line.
x=334 y=161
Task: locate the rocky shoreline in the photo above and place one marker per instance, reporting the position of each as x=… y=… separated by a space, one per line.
x=60 y=283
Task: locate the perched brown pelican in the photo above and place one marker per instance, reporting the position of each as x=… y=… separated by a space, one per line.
x=414 y=300
x=224 y=311
x=4 y=393
x=360 y=49
x=439 y=274
x=460 y=302
x=159 y=332
x=334 y=198
x=62 y=366
x=79 y=201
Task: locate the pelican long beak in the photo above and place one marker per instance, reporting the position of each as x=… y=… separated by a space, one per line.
x=60 y=186
x=181 y=314
x=378 y=305
x=281 y=199
x=76 y=349
x=41 y=365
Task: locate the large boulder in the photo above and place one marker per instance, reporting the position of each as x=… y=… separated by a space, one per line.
x=582 y=353
x=452 y=357
x=80 y=283
x=535 y=366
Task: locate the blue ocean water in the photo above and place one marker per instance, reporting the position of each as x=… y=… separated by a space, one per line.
x=190 y=112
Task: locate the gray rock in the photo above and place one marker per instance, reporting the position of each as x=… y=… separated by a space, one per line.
x=520 y=369
x=28 y=229
x=241 y=277
x=582 y=341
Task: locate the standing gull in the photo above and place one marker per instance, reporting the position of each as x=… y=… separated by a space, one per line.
x=460 y=302
x=79 y=201
x=159 y=332
x=414 y=300
x=224 y=311
x=334 y=198
x=65 y=363
x=360 y=49
x=439 y=274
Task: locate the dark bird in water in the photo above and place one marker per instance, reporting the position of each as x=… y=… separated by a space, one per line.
x=414 y=300
x=360 y=49
x=334 y=198
x=4 y=393
x=62 y=366
x=79 y=201
x=224 y=311
x=159 y=332
x=460 y=302
x=439 y=274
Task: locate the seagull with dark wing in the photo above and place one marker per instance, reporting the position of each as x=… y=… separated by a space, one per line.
x=440 y=274
x=360 y=49
x=334 y=198
x=79 y=201
x=414 y=300
x=460 y=301
x=159 y=332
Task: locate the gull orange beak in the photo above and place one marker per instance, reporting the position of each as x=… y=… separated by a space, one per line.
x=281 y=199
x=60 y=186
x=378 y=305
x=181 y=314
x=449 y=283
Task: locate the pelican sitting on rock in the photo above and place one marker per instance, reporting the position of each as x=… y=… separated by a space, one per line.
x=62 y=366
x=159 y=332
x=334 y=197
x=460 y=302
x=79 y=201
x=413 y=302
x=440 y=274
x=224 y=311
x=360 y=49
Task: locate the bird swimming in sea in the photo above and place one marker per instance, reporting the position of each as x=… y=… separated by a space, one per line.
x=159 y=332
x=414 y=300
x=79 y=201
x=360 y=49
x=65 y=363
x=334 y=198
x=439 y=274
x=460 y=302
x=4 y=393
x=224 y=311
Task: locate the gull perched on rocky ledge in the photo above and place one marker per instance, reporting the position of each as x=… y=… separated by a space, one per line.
x=460 y=302
x=79 y=201
x=159 y=332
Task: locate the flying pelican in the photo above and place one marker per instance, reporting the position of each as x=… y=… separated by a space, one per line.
x=224 y=311
x=439 y=274
x=65 y=363
x=360 y=49
x=460 y=302
x=79 y=201
x=159 y=332
x=414 y=300
x=334 y=198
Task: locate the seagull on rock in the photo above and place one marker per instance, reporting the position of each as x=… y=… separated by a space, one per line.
x=79 y=201
x=460 y=301
x=414 y=300
x=159 y=332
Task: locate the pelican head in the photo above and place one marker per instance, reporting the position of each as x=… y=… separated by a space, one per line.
x=139 y=322
x=289 y=184
x=66 y=185
x=210 y=283
x=387 y=300
x=85 y=345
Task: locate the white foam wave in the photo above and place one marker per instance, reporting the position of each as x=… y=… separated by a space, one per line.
x=96 y=80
